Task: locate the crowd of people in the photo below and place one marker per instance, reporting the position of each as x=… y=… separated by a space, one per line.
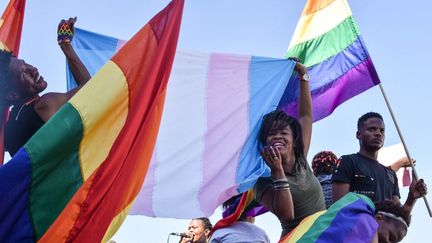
x=295 y=191
x=292 y=192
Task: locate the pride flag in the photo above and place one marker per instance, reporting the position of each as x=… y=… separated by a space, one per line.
x=351 y=219
x=78 y=176
x=207 y=147
x=11 y=23
x=329 y=43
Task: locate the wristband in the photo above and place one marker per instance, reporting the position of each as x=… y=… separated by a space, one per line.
x=65 y=33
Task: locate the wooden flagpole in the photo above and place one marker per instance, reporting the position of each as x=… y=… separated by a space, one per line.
x=404 y=144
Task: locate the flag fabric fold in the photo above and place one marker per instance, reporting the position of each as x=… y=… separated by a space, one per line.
x=207 y=147
x=328 y=42
x=350 y=219
x=11 y=23
x=390 y=154
x=59 y=187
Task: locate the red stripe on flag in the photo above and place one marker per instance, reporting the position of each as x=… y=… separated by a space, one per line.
x=146 y=61
x=10 y=31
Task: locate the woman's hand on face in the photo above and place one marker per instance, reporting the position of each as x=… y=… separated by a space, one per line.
x=272 y=157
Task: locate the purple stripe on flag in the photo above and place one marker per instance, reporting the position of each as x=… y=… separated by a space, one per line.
x=227 y=87
x=144 y=201
x=326 y=99
x=353 y=223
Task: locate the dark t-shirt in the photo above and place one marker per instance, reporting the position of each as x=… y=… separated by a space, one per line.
x=367 y=177
x=22 y=124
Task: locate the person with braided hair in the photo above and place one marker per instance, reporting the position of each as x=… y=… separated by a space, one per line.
x=323 y=164
x=292 y=192
x=21 y=85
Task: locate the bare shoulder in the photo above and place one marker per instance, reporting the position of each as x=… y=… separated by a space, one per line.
x=49 y=103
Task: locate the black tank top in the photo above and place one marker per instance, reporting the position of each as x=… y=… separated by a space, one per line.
x=21 y=126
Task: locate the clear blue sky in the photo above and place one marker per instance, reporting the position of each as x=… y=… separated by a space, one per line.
x=398 y=38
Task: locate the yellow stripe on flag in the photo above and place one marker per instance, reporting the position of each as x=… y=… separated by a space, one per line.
x=316 y=24
x=103 y=106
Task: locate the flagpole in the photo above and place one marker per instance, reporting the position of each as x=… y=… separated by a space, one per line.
x=404 y=144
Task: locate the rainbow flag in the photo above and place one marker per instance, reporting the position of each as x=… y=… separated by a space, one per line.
x=207 y=147
x=244 y=204
x=78 y=176
x=351 y=219
x=329 y=43
x=11 y=23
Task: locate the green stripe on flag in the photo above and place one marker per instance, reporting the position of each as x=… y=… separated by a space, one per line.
x=56 y=173
x=327 y=45
x=325 y=220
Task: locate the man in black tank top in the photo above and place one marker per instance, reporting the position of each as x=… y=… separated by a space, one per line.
x=21 y=85
x=362 y=173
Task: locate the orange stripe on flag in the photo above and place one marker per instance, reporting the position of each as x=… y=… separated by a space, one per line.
x=146 y=62
x=11 y=25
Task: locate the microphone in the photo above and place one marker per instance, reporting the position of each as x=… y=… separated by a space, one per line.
x=180 y=234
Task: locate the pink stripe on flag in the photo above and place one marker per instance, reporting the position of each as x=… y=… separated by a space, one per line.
x=228 y=124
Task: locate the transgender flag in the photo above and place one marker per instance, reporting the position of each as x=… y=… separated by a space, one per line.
x=94 y=51
x=329 y=43
x=207 y=146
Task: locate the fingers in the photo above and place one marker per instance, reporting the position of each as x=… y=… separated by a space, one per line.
x=421 y=187
x=296 y=59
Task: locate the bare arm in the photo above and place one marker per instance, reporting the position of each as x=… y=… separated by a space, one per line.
x=305 y=106
x=79 y=71
x=279 y=202
x=402 y=162
x=339 y=190
x=51 y=102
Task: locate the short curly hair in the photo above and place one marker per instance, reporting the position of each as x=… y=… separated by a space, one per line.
x=393 y=208
x=5 y=75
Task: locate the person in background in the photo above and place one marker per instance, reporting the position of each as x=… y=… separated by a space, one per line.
x=198 y=231
x=393 y=221
x=323 y=164
x=21 y=85
x=243 y=230
x=362 y=173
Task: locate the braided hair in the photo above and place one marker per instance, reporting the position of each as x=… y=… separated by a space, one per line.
x=278 y=120
x=324 y=162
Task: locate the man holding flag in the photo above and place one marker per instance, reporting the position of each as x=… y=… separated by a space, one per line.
x=21 y=85
x=362 y=173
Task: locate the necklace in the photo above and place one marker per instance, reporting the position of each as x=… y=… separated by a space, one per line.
x=25 y=104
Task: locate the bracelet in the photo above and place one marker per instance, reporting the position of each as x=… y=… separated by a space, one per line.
x=64 y=33
x=281 y=187
x=280 y=184
x=279 y=180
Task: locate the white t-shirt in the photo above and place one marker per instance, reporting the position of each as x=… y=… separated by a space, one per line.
x=240 y=232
